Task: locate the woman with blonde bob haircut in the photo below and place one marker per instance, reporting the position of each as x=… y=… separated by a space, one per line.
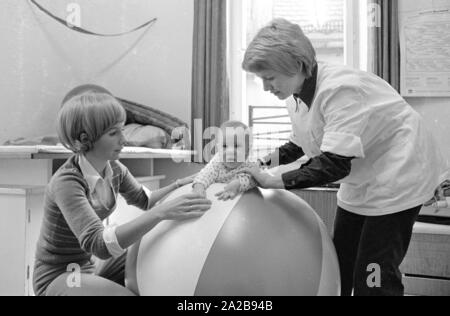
x=85 y=119
x=283 y=47
x=357 y=130
x=83 y=193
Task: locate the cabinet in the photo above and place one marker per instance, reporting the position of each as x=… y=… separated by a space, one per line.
x=426 y=267
x=24 y=174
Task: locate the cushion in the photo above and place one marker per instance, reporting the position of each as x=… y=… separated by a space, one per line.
x=146 y=115
x=145 y=136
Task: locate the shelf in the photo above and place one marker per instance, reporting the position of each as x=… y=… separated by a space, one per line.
x=59 y=152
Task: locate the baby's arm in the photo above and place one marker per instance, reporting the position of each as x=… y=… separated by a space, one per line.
x=240 y=183
x=247 y=182
x=206 y=177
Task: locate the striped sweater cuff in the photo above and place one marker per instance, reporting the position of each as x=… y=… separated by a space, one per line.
x=148 y=193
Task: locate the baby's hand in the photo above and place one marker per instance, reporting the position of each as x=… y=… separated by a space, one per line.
x=230 y=191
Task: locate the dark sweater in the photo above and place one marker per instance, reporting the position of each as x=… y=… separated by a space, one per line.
x=323 y=169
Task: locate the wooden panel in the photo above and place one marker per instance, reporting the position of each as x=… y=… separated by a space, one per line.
x=426 y=287
x=428 y=255
x=324 y=202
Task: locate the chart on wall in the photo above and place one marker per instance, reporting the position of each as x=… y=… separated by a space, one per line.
x=425 y=48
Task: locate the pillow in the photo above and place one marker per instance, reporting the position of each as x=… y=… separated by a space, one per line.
x=145 y=136
x=146 y=115
x=136 y=113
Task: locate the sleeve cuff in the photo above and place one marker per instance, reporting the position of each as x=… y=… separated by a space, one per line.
x=342 y=144
x=148 y=193
x=205 y=185
x=290 y=180
x=112 y=244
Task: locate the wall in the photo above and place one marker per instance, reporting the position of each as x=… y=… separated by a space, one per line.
x=435 y=111
x=41 y=60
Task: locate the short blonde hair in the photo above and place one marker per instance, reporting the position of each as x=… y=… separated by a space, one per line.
x=280 y=46
x=85 y=118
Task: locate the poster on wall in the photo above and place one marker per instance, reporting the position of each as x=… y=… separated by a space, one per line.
x=425 y=49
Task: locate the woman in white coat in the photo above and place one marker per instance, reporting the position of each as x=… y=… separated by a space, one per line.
x=358 y=131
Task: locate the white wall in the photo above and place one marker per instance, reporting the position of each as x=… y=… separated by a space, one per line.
x=40 y=60
x=435 y=111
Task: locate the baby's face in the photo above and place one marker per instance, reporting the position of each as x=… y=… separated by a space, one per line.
x=235 y=147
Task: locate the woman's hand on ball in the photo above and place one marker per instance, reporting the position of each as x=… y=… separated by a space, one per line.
x=264 y=178
x=184 y=207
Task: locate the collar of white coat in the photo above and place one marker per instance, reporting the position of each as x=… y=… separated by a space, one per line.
x=308 y=89
x=91 y=175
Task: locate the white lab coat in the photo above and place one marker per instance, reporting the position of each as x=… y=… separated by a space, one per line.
x=356 y=114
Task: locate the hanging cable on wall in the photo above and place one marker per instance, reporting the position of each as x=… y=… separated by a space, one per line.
x=84 y=31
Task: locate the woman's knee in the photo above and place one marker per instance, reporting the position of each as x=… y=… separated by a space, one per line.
x=85 y=285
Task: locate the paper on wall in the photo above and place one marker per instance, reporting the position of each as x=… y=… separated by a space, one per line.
x=425 y=50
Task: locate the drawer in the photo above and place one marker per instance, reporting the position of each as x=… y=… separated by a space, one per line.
x=426 y=287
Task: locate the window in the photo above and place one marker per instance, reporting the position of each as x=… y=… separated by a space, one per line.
x=333 y=27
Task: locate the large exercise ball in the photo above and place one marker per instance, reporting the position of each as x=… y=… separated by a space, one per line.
x=264 y=243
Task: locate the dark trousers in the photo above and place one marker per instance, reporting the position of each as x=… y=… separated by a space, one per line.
x=370 y=251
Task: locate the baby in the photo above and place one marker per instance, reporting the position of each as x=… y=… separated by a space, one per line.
x=227 y=165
